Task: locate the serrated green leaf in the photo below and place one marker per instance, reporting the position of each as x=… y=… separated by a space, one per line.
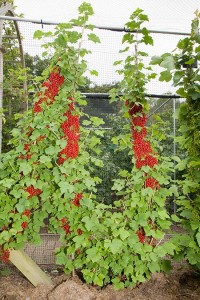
x=116 y=246
x=61 y=258
x=165 y=76
x=7 y=182
x=51 y=150
x=153 y=267
x=38 y=34
x=166 y=265
x=88 y=223
x=123 y=233
x=25 y=167
x=66 y=187
x=94 y=38
x=94 y=72
x=168 y=62
x=156 y=60
x=175 y=218
x=181 y=92
x=86 y=122
x=97 y=121
x=118 y=62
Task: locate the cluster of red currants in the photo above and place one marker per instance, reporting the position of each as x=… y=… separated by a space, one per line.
x=51 y=87
x=70 y=128
x=32 y=191
x=142 y=149
x=143 y=152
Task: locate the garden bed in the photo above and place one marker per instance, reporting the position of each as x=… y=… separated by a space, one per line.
x=181 y=283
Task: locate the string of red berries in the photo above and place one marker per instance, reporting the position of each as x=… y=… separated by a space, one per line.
x=142 y=149
x=51 y=86
x=50 y=89
x=143 y=152
x=71 y=130
x=32 y=191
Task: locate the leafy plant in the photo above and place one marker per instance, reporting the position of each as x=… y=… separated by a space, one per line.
x=121 y=243
x=47 y=174
x=182 y=67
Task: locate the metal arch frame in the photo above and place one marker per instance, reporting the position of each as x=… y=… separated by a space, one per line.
x=7 y=9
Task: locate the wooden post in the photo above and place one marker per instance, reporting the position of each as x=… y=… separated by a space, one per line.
x=29 y=268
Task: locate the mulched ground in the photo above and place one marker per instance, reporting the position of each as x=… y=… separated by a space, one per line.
x=180 y=284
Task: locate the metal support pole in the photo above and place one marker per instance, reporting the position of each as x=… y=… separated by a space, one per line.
x=1 y=84
x=8 y=9
x=117 y=29
x=174 y=147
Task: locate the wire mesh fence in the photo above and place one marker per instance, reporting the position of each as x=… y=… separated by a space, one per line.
x=105 y=53
x=103 y=56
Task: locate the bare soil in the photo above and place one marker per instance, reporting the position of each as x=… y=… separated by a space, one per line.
x=180 y=284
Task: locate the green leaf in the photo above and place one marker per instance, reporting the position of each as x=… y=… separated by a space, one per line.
x=181 y=92
x=107 y=243
x=99 y=279
x=82 y=102
x=61 y=40
x=38 y=34
x=168 y=62
x=94 y=72
x=7 y=182
x=93 y=254
x=147 y=39
x=83 y=52
x=62 y=143
x=118 y=62
x=153 y=267
x=166 y=265
x=86 y=8
x=44 y=159
x=61 y=258
x=51 y=150
x=124 y=50
x=94 y=38
x=165 y=76
x=183 y=43
x=88 y=223
x=174 y=190
x=20 y=206
x=175 y=218
x=66 y=187
x=79 y=240
x=86 y=122
x=156 y=60
x=126 y=38
x=25 y=167
x=97 y=121
x=116 y=246
x=123 y=233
